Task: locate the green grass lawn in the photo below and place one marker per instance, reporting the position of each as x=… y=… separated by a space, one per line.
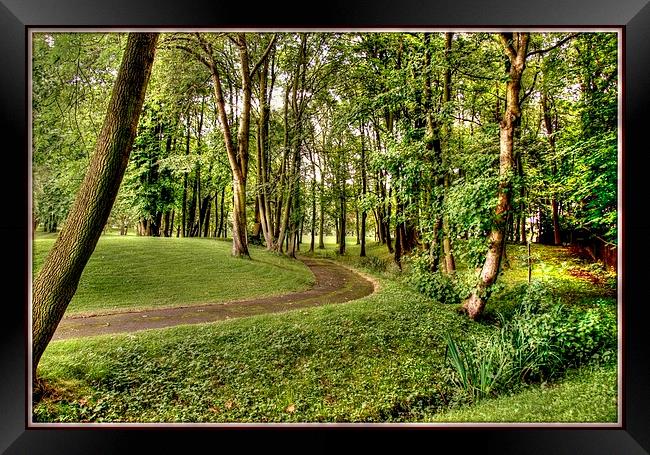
x=377 y=359
x=127 y=272
x=586 y=395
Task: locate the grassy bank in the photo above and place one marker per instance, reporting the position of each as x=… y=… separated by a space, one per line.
x=382 y=358
x=586 y=395
x=376 y=359
x=129 y=272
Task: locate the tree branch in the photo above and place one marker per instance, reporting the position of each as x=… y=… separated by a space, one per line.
x=532 y=87
x=463 y=119
x=263 y=57
x=556 y=45
x=192 y=52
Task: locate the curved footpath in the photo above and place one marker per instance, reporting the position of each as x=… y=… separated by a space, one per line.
x=334 y=284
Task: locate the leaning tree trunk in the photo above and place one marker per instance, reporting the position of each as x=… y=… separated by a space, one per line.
x=57 y=281
x=516 y=46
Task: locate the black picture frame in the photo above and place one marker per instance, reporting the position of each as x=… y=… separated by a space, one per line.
x=17 y=15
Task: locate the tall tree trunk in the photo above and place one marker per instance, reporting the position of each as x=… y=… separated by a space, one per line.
x=166 y=227
x=550 y=132
x=262 y=160
x=342 y=228
x=555 y=213
x=237 y=154
x=284 y=203
x=450 y=263
x=239 y=234
x=398 y=241
x=189 y=229
x=215 y=233
x=342 y=204
x=364 y=185
x=389 y=242
x=195 y=224
x=185 y=178
x=312 y=243
x=356 y=223
x=59 y=276
x=515 y=46
x=222 y=216
x=337 y=231
x=321 y=217
x=207 y=204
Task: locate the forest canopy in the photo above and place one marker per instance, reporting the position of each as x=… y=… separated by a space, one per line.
x=442 y=146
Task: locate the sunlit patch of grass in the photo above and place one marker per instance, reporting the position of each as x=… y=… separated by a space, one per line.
x=585 y=395
x=380 y=358
x=130 y=272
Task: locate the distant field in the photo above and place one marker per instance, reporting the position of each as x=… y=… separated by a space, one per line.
x=143 y=272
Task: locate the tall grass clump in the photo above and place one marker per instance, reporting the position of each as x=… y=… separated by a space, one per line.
x=539 y=342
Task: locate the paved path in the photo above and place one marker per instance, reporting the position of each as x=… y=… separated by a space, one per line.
x=334 y=284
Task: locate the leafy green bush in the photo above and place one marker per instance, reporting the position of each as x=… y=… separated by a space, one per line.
x=587 y=335
x=540 y=341
x=436 y=285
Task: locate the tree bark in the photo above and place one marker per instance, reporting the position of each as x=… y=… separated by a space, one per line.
x=312 y=243
x=550 y=132
x=262 y=159
x=450 y=263
x=207 y=204
x=364 y=188
x=221 y=215
x=59 y=277
x=321 y=218
x=185 y=178
x=216 y=214
x=515 y=46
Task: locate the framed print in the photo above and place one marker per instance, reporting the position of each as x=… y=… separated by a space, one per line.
x=612 y=124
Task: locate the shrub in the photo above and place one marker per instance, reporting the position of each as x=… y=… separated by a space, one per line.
x=436 y=285
x=540 y=341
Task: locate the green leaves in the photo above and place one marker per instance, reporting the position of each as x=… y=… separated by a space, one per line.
x=540 y=341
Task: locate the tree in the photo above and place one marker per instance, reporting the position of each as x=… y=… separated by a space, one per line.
x=516 y=47
x=59 y=276
x=238 y=153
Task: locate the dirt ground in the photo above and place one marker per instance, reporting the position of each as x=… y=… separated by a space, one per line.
x=334 y=284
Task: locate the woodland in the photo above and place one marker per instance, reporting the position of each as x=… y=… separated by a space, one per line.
x=471 y=177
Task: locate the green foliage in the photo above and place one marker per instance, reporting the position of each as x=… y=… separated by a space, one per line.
x=593 y=186
x=378 y=359
x=588 y=394
x=538 y=342
x=374 y=263
x=437 y=285
x=71 y=81
x=383 y=362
